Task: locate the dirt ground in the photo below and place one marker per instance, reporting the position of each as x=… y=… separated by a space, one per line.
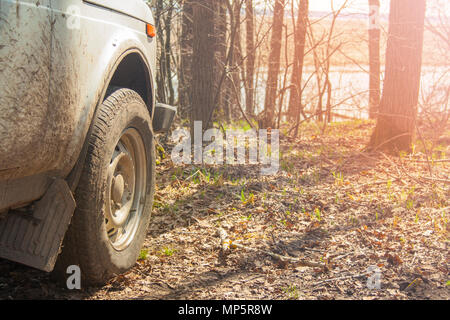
x=327 y=226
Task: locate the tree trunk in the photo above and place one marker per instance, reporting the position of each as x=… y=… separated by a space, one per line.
x=374 y=58
x=295 y=99
x=185 y=74
x=203 y=62
x=161 y=75
x=225 y=92
x=274 y=65
x=168 y=53
x=250 y=63
x=237 y=58
x=398 y=108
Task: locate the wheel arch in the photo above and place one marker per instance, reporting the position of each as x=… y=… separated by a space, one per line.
x=131 y=70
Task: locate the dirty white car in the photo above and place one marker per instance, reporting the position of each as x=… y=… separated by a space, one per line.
x=77 y=124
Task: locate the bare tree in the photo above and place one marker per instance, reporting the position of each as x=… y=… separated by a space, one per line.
x=221 y=36
x=268 y=120
x=374 y=58
x=204 y=62
x=237 y=54
x=323 y=51
x=295 y=99
x=185 y=73
x=250 y=62
x=168 y=51
x=398 y=108
x=434 y=111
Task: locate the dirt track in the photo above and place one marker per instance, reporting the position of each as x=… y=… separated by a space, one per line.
x=330 y=205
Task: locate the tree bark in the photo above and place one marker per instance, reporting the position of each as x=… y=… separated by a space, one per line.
x=374 y=58
x=161 y=75
x=203 y=62
x=185 y=74
x=295 y=99
x=168 y=53
x=268 y=120
x=398 y=108
x=225 y=92
x=250 y=63
x=237 y=57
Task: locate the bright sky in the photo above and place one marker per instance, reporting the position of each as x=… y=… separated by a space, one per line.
x=361 y=6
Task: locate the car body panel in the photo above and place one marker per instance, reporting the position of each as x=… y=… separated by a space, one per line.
x=136 y=9
x=24 y=85
x=56 y=60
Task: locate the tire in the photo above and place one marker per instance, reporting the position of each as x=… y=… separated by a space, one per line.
x=115 y=193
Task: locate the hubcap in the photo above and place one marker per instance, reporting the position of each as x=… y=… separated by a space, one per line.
x=127 y=174
x=118 y=188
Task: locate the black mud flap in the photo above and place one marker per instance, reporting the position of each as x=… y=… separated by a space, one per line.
x=163 y=118
x=34 y=239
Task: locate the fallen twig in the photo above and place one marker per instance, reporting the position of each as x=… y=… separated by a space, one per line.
x=427 y=154
x=370 y=184
x=435 y=180
x=425 y=161
x=227 y=244
x=193 y=175
x=338 y=257
x=404 y=171
x=342 y=278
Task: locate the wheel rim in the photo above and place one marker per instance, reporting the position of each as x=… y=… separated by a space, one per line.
x=125 y=192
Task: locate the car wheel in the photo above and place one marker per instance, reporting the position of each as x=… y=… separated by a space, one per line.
x=115 y=193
